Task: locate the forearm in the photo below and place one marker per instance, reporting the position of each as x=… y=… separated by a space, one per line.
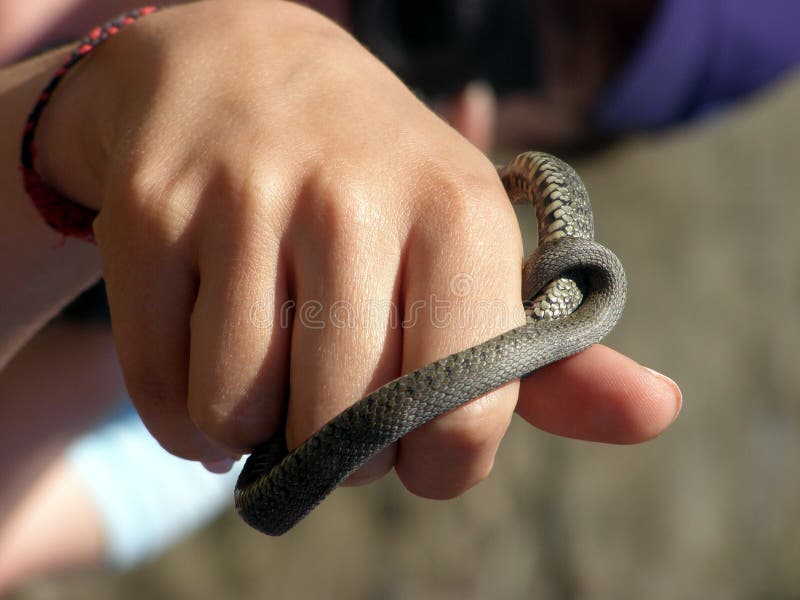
x=48 y=520
x=39 y=270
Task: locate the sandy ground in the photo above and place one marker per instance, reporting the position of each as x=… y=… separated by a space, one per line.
x=705 y=219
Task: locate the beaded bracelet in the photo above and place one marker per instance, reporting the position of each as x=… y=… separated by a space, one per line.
x=59 y=212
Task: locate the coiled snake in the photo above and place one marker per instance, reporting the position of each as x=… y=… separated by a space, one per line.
x=574 y=292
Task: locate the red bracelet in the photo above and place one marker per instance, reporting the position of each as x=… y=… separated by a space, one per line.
x=59 y=212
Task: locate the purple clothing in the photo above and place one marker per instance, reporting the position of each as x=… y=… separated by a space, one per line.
x=698 y=55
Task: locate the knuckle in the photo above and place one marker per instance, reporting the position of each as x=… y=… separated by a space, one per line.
x=466 y=450
x=467 y=201
x=468 y=440
x=345 y=216
x=156 y=401
x=175 y=439
x=146 y=198
x=238 y=425
x=143 y=183
x=153 y=394
x=441 y=486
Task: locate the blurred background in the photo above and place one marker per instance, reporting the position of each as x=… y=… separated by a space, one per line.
x=704 y=215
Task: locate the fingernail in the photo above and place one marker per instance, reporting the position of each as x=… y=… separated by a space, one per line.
x=676 y=391
x=218 y=466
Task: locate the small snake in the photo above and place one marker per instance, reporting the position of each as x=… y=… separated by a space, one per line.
x=573 y=291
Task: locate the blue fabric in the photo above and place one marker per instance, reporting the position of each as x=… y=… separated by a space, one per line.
x=147 y=499
x=698 y=55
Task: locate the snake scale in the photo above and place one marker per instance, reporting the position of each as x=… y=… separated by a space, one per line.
x=573 y=291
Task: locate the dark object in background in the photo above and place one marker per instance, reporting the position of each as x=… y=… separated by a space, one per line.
x=437 y=47
x=91 y=307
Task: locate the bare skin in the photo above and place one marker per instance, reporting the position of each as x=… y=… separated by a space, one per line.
x=193 y=235
x=48 y=520
x=235 y=174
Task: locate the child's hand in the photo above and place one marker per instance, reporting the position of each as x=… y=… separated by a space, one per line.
x=273 y=202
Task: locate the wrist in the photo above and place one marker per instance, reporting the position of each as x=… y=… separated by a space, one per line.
x=64 y=154
x=69 y=156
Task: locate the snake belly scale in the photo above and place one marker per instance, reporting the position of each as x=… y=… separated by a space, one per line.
x=574 y=292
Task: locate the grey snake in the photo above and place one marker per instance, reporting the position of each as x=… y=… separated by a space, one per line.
x=573 y=291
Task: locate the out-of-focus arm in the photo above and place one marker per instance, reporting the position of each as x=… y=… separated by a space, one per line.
x=40 y=271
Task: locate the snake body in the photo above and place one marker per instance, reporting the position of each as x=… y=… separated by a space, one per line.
x=574 y=292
